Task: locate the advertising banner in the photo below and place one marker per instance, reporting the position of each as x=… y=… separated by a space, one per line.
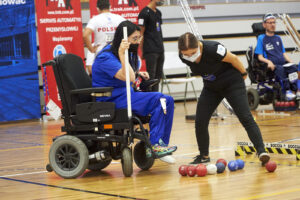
x=129 y=9
x=19 y=84
x=59 y=31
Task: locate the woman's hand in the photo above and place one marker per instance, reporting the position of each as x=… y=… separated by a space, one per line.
x=94 y=48
x=123 y=46
x=145 y=75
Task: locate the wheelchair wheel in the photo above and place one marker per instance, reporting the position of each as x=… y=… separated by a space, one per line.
x=253 y=98
x=68 y=156
x=140 y=158
x=98 y=165
x=127 y=162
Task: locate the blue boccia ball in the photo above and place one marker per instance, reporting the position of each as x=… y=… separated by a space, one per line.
x=232 y=165
x=240 y=163
x=220 y=167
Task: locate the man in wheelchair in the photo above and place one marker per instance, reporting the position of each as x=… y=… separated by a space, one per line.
x=109 y=71
x=270 y=50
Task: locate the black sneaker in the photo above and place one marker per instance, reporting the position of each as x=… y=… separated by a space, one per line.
x=264 y=157
x=200 y=159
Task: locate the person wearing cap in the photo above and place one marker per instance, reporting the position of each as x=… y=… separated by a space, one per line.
x=271 y=51
x=223 y=77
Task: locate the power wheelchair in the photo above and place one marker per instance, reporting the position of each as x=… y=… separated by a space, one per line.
x=269 y=87
x=96 y=132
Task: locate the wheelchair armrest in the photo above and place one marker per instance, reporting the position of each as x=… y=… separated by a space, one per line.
x=95 y=92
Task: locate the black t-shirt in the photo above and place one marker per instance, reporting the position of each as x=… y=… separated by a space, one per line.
x=211 y=67
x=153 y=40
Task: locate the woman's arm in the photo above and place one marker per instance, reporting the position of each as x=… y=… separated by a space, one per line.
x=235 y=62
x=121 y=74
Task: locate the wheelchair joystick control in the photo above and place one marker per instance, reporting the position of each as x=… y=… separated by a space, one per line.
x=163 y=105
x=100 y=155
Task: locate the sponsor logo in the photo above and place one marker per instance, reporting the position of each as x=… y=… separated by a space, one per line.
x=59 y=4
x=59 y=49
x=221 y=50
x=269 y=47
x=12 y=2
x=105 y=116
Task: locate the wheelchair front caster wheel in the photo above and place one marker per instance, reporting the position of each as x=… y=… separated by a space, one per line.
x=127 y=162
x=49 y=168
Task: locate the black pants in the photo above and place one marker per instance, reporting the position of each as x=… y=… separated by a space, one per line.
x=154 y=65
x=210 y=98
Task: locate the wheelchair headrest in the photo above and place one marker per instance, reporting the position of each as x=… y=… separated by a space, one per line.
x=73 y=71
x=258 y=28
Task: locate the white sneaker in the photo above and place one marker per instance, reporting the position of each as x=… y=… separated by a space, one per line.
x=168 y=159
x=289 y=95
x=298 y=94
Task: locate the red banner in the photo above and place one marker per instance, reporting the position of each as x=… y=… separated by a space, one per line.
x=129 y=9
x=59 y=31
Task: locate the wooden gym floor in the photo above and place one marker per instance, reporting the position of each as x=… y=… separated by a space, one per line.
x=24 y=153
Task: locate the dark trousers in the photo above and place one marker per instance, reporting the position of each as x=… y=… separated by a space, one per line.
x=154 y=65
x=236 y=96
x=283 y=74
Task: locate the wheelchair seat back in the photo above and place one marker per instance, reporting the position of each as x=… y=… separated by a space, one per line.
x=257 y=71
x=70 y=74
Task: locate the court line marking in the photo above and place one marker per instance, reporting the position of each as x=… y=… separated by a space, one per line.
x=271 y=194
x=22 y=174
x=68 y=188
x=22 y=148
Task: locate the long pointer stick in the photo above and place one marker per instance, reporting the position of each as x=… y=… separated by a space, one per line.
x=129 y=111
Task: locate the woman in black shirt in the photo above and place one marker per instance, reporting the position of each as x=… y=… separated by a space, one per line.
x=223 y=77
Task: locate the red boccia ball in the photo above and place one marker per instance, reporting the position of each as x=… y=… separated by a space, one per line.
x=191 y=170
x=271 y=166
x=277 y=104
x=201 y=170
x=286 y=104
x=222 y=161
x=292 y=104
x=282 y=104
x=183 y=170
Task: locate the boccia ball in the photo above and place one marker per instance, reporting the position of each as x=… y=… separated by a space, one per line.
x=277 y=104
x=232 y=165
x=240 y=163
x=211 y=169
x=292 y=104
x=183 y=170
x=220 y=167
x=282 y=104
x=201 y=170
x=222 y=161
x=286 y=104
x=271 y=166
x=191 y=170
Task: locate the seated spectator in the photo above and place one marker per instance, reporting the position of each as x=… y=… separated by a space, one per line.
x=108 y=70
x=270 y=50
